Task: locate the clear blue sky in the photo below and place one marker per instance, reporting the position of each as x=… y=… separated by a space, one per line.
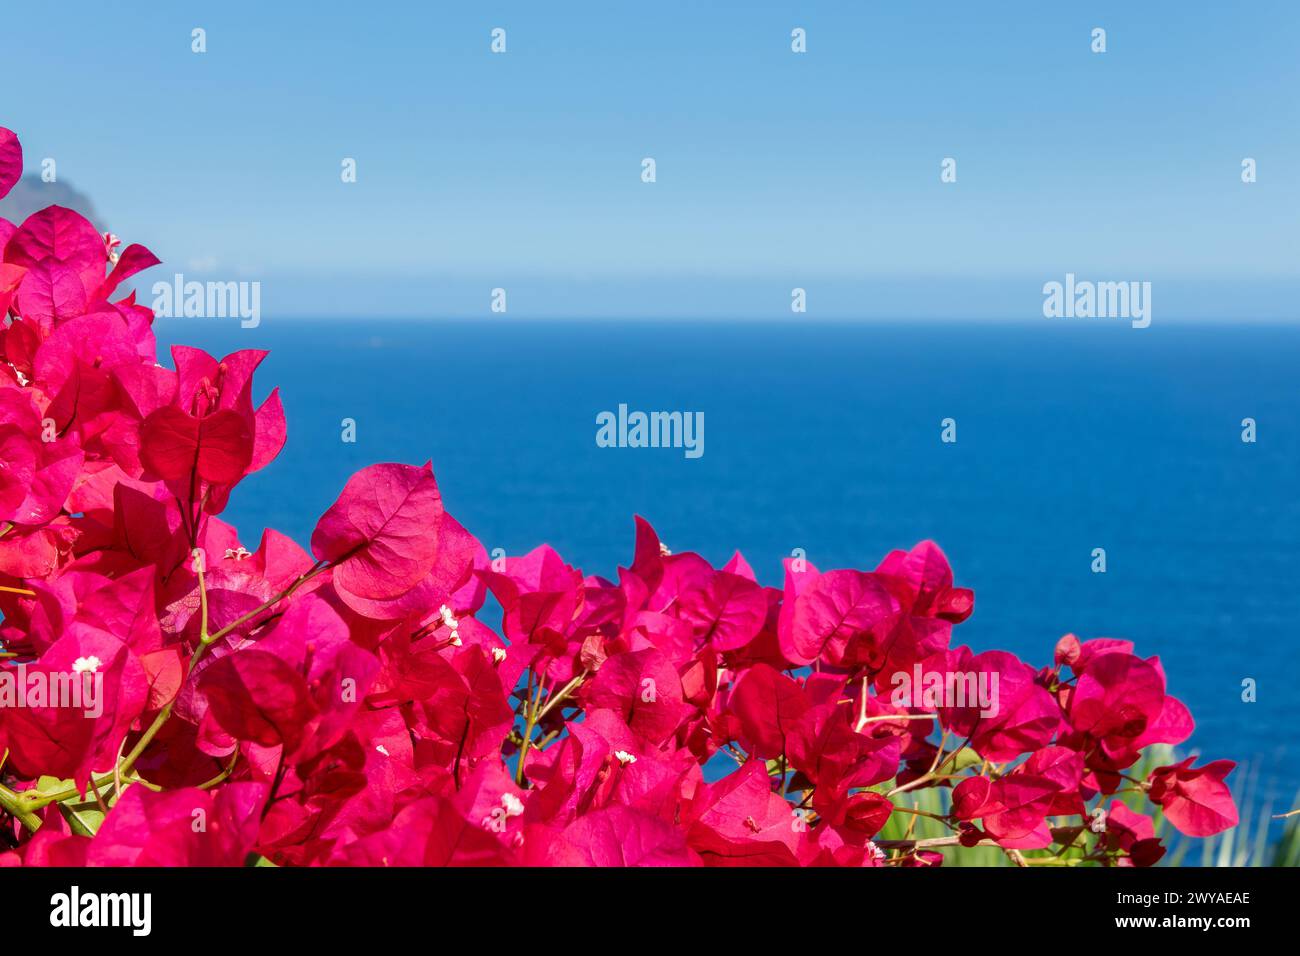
x=774 y=169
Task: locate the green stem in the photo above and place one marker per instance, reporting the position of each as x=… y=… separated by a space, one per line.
x=529 y=724
x=558 y=698
x=12 y=803
x=203 y=607
x=935 y=772
x=229 y=769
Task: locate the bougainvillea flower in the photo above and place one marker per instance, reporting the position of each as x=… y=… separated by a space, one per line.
x=381 y=534
x=1063 y=767
x=50 y=847
x=11 y=162
x=39 y=467
x=836 y=754
x=217 y=448
x=354 y=706
x=841 y=618
x=769 y=706
x=1024 y=715
x=1119 y=703
x=542 y=599
x=428 y=832
x=123 y=607
x=744 y=822
x=1021 y=805
x=855 y=816
x=1013 y=809
x=336 y=674
x=643 y=688
x=257 y=697
x=466 y=717
x=826 y=847
x=11 y=277
x=195 y=428
x=1196 y=801
x=727 y=613
x=922 y=579
x=133 y=260
x=20 y=447
x=664 y=576
x=65 y=258
x=1133 y=834
x=450 y=582
x=59 y=235
x=1071 y=651
x=69 y=735
x=188 y=827
x=615 y=836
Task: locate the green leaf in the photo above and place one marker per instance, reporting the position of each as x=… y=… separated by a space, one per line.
x=48 y=784
x=966 y=757
x=84 y=819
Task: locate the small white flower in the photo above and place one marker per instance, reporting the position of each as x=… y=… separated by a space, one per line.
x=663 y=550
x=512 y=804
x=448 y=617
x=1098 y=822
x=455 y=639
x=498 y=654
x=875 y=851
x=383 y=750
x=84 y=665
x=238 y=553
x=624 y=757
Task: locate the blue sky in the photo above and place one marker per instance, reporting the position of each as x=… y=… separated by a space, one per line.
x=774 y=169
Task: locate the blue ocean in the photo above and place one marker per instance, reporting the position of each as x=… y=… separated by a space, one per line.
x=826 y=437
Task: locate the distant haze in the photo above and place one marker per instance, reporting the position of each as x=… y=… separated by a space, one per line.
x=1170 y=158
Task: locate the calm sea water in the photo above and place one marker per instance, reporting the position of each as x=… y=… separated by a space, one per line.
x=826 y=437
